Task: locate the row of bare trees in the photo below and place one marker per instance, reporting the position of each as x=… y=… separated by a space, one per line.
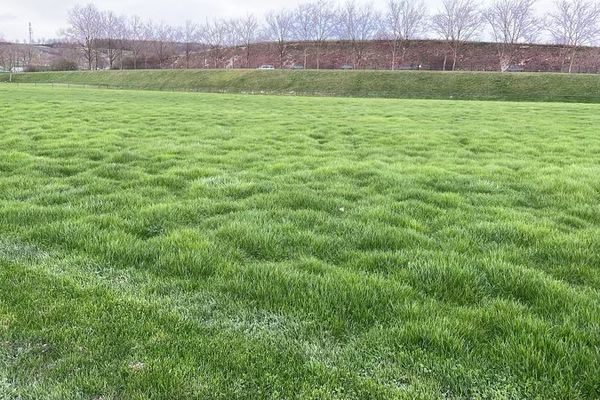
x=11 y=56
x=103 y=35
x=15 y=55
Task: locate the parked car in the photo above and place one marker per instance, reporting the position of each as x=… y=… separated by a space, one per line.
x=266 y=66
x=297 y=66
x=409 y=67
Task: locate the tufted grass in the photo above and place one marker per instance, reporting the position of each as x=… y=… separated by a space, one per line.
x=175 y=245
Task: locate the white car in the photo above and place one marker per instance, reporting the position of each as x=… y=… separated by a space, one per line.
x=266 y=66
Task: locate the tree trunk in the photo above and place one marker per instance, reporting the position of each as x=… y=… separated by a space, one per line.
x=572 y=61
x=505 y=56
x=305 y=57
x=281 y=54
x=318 y=55
x=454 y=56
x=111 y=55
x=89 y=55
x=88 y=51
x=356 y=55
x=403 y=54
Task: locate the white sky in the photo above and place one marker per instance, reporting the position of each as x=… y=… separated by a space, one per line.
x=48 y=16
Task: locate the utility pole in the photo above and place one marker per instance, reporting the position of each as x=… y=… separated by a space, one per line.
x=30 y=43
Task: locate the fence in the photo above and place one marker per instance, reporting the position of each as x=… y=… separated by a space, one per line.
x=540 y=96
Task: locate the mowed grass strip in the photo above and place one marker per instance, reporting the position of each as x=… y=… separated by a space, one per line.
x=174 y=245
x=545 y=87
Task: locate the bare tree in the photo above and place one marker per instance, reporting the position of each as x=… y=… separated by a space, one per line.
x=315 y=22
x=14 y=57
x=512 y=21
x=10 y=57
x=85 y=28
x=136 y=35
x=214 y=35
x=189 y=35
x=111 y=26
x=359 y=25
x=323 y=23
x=232 y=40
x=280 y=29
x=303 y=27
x=574 y=23
x=2 y=54
x=123 y=36
x=162 y=42
x=150 y=35
x=403 y=21
x=457 y=22
x=247 y=31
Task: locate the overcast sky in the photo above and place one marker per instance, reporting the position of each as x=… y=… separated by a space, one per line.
x=48 y=16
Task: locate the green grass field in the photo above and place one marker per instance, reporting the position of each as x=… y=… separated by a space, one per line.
x=582 y=88
x=181 y=245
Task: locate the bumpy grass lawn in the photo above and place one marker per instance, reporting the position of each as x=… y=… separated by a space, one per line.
x=172 y=245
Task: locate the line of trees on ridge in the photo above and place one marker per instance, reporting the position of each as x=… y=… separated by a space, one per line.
x=108 y=40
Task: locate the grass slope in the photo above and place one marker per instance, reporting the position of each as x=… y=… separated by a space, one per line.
x=386 y=84
x=177 y=245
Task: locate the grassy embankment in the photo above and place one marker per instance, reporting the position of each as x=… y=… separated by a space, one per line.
x=386 y=84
